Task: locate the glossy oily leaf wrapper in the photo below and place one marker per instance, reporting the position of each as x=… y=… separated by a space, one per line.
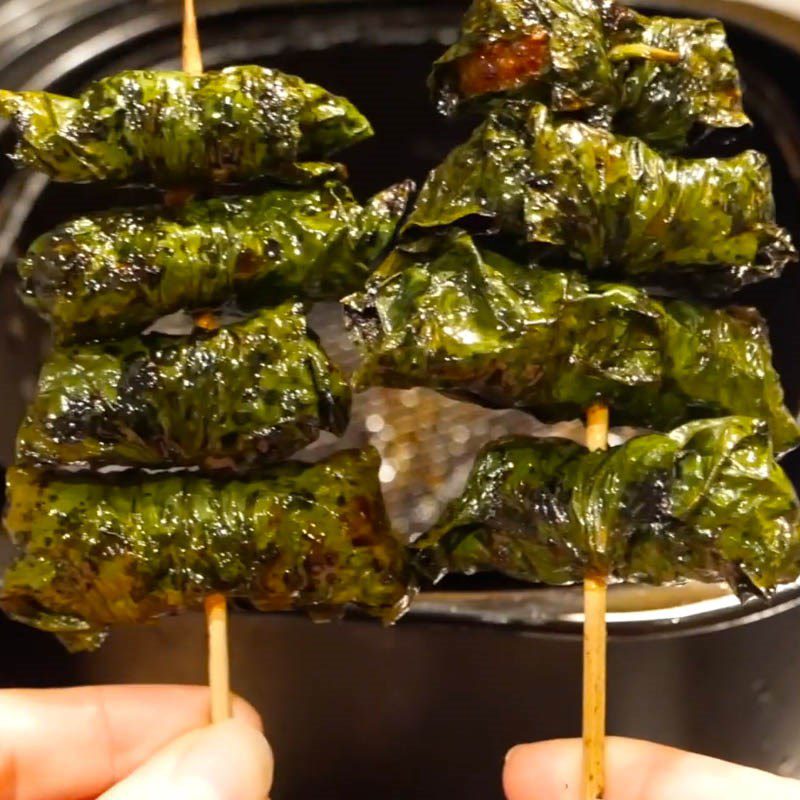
x=257 y=390
x=174 y=129
x=706 y=502
x=101 y=276
x=469 y=323
x=119 y=549
x=570 y=190
x=659 y=78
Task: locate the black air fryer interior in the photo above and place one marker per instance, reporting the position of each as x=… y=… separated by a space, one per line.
x=422 y=710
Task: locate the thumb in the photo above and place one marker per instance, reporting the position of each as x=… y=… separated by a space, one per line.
x=636 y=771
x=229 y=761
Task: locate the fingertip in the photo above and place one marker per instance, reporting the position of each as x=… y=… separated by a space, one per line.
x=542 y=771
x=227 y=761
x=243 y=711
x=636 y=770
x=514 y=752
x=232 y=758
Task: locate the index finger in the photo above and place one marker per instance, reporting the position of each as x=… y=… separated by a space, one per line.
x=69 y=744
x=636 y=771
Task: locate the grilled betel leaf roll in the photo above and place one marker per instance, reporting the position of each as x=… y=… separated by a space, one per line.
x=104 y=550
x=658 y=78
x=568 y=189
x=472 y=324
x=706 y=502
x=101 y=276
x=173 y=129
x=257 y=390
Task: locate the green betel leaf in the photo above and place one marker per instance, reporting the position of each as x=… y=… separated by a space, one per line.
x=257 y=390
x=112 y=273
x=118 y=549
x=658 y=78
x=570 y=190
x=172 y=129
x=666 y=103
x=706 y=502
x=446 y=315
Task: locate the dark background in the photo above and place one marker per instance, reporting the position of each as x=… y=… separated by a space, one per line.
x=424 y=710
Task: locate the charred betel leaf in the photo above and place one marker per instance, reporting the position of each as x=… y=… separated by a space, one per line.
x=257 y=390
x=173 y=129
x=706 y=502
x=118 y=549
x=570 y=190
x=658 y=78
x=449 y=316
x=101 y=276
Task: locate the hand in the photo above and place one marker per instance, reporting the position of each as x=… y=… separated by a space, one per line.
x=637 y=771
x=128 y=743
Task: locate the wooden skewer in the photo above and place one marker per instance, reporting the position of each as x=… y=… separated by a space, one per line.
x=216 y=605
x=192 y=62
x=192 y=57
x=594 y=644
x=218 y=660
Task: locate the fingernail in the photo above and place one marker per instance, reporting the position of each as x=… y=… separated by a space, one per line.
x=229 y=761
